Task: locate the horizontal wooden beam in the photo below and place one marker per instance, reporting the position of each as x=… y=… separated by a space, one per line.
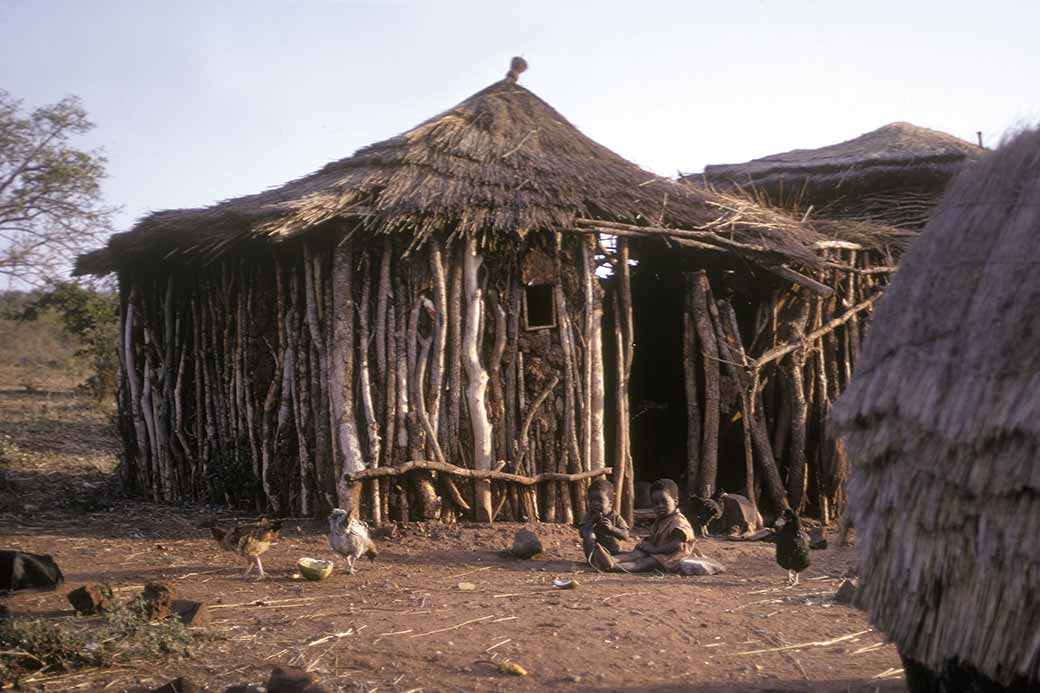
x=444 y=467
x=706 y=240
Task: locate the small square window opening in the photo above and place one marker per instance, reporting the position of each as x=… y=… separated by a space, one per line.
x=539 y=307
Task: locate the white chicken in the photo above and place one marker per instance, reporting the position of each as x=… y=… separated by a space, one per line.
x=349 y=538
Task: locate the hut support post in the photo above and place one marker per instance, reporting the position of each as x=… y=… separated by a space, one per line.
x=342 y=386
x=477 y=380
x=693 y=413
x=367 y=403
x=705 y=484
x=624 y=481
x=796 y=476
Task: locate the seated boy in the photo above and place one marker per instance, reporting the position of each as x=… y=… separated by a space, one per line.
x=602 y=526
x=671 y=538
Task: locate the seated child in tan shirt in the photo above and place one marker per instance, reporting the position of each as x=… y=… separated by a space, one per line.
x=671 y=538
x=602 y=526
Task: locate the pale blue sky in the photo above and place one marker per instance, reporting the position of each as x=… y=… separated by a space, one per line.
x=200 y=101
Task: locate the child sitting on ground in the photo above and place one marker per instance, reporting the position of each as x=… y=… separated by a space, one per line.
x=602 y=526
x=671 y=538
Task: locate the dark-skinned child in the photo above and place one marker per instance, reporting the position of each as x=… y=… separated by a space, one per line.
x=671 y=538
x=602 y=526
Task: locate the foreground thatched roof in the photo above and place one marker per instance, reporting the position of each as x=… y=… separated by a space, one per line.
x=499 y=164
x=942 y=422
x=895 y=154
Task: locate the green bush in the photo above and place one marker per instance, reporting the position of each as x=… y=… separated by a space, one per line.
x=89 y=316
x=126 y=632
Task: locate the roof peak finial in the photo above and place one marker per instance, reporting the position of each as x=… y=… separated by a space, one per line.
x=516 y=66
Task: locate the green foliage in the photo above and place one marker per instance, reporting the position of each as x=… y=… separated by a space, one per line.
x=50 y=191
x=92 y=318
x=37 y=644
x=126 y=631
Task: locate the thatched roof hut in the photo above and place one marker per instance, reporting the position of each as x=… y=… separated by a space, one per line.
x=498 y=165
x=942 y=422
x=893 y=175
x=418 y=330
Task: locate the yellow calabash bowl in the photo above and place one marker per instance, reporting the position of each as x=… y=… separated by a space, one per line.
x=314 y=568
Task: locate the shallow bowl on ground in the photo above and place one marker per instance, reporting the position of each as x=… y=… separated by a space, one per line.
x=314 y=568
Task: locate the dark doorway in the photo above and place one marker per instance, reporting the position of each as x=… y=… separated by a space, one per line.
x=657 y=393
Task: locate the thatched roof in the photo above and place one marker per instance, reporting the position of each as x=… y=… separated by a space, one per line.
x=895 y=154
x=942 y=422
x=499 y=164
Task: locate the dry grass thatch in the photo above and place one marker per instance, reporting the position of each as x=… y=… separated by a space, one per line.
x=942 y=421
x=893 y=176
x=897 y=151
x=500 y=164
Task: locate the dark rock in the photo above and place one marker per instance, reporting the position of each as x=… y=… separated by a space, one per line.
x=245 y=688
x=526 y=544
x=816 y=539
x=21 y=571
x=292 y=680
x=178 y=685
x=158 y=600
x=191 y=613
x=846 y=593
x=92 y=599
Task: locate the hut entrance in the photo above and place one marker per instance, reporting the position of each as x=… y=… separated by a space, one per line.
x=657 y=396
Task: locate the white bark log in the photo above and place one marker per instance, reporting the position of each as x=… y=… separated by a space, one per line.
x=476 y=379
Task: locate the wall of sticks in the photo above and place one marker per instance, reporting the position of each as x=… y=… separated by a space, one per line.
x=785 y=360
x=449 y=381
x=403 y=383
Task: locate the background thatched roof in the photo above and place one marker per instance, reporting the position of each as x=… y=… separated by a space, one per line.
x=500 y=164
x=942 y=422
x=893 y=176
x=898 y=151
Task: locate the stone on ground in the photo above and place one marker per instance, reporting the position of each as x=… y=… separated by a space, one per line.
x=292 y=680
x=526 y=544
x=700 y=566
x=92 y=598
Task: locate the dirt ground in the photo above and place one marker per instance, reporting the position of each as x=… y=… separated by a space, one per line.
x=402 y=623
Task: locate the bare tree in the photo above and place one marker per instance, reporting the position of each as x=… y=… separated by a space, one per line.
x=50 y=193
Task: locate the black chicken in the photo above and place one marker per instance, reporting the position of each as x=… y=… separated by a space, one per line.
x=792 y=545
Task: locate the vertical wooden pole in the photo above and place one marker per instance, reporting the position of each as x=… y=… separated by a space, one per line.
x=710 y=353
x=627 y=500
x=365 y=385
x=693 y=410
x=477 y=380
x=795 y=329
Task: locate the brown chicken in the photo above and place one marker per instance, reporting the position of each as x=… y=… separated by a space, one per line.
x=249 y=540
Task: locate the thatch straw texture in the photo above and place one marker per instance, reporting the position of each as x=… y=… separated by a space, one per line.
x=900 y=150
x=894 y=175
x=942 y=423
x=500 y=164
